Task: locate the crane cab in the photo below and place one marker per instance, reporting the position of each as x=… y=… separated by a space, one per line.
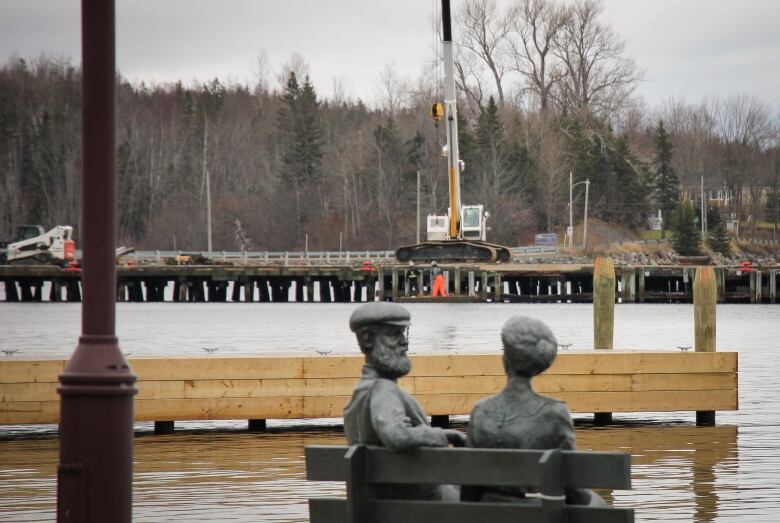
x=472 y=224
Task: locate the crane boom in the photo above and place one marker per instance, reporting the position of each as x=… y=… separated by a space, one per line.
x=451 y=120
x=459 y=236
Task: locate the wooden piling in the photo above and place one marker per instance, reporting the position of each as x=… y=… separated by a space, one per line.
x=641 y=285
x=497 y=288
x=603 y=303
x=483 y=287
x=773 y=286
x=457 y=281
x=752 y=278
x=394 y=284
x=249 y=290
x=705 y=297
x=720 y=280
x=11 y=292
x=471 y=283
x=309 y=290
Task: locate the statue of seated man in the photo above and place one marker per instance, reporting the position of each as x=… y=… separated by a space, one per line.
x=518 y=417
x=380 y=412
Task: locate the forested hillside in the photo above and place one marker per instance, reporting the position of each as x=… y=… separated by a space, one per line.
x=545 y=89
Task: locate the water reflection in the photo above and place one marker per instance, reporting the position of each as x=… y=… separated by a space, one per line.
x=680 y=473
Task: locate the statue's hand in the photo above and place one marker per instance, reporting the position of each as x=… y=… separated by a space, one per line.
x=455 y=437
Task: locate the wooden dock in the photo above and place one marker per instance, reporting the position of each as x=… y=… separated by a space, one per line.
x=294 y=387
x=385 y=281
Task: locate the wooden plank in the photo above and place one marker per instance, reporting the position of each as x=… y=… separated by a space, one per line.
x=30 y=371
x=645 y=401
x=655 y=362
x=218 y=408
x=208 y=367
x=466 y=466
x=684 y=382
x=333 y=366
x=23 y=412
x=159 y=369
x=481 y=385
x=194 y=389
x=324 y=406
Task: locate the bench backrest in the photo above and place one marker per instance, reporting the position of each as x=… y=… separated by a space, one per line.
x=549 y=472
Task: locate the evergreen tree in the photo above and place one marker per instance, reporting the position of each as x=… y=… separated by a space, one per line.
x=718 y=239
x=686 y=238
x=666 y=181
x=630 y=203
x=491 y=157
x=301 y=143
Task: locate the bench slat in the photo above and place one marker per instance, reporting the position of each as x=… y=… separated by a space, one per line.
x=334 y=510
x=583 y=469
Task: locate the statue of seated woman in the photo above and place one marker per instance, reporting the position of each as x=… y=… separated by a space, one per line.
x=518 y=417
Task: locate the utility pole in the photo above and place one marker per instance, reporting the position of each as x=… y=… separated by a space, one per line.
x=95 y=471
x=208 y=179
x=571 y=210
x=703 y=213
x=585 y=222
x=418 y=207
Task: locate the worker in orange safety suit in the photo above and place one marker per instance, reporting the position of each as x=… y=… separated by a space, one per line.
x=438 y=280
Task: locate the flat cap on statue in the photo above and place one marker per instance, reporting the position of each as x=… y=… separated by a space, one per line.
x=380 y=313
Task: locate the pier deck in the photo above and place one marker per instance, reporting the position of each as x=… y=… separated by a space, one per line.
x=294 y=387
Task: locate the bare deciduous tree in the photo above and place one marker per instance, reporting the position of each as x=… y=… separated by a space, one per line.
x=484 y=31
x=535 y=26
x=598 y=78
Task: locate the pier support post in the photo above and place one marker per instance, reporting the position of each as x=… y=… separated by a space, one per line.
x=393 y=284
x=72 y=291
x=457 y=281
x=471 y=283
x=720 y=278
x=773 y=286
x=483 y=286
x=163 y=427
x=641 y=285
x=249 y=290
x=498 y=286
x=705 y=297
x=309 y=290
x=11 y=292
x=752 y=277
x=603 y=303
x=324 y=291
x=441 y=421
x=55 y=292
x=256 y=425
x=298 y=290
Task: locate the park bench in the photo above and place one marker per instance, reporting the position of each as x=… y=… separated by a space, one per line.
x=549 y=472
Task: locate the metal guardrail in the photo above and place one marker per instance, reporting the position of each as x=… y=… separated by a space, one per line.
x=300 y=257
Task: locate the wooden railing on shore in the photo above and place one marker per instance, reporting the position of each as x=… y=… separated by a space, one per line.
x=294 y=387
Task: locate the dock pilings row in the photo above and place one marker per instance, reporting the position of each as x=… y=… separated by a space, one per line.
x=473 y=283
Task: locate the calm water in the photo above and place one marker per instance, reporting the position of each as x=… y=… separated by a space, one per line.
x=215 y=472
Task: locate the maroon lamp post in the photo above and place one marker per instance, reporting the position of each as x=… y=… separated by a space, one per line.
x=94 y=477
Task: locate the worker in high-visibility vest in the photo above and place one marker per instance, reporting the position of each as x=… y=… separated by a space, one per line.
x=438 y=280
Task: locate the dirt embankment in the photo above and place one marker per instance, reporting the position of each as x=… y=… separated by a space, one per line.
x=626 y=247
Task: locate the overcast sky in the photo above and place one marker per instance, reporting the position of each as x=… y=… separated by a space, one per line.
x=687 y=48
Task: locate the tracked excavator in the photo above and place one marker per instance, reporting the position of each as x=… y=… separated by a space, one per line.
x=460 y=235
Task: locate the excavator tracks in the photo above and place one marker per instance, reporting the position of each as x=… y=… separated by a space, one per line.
x=453 y=251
